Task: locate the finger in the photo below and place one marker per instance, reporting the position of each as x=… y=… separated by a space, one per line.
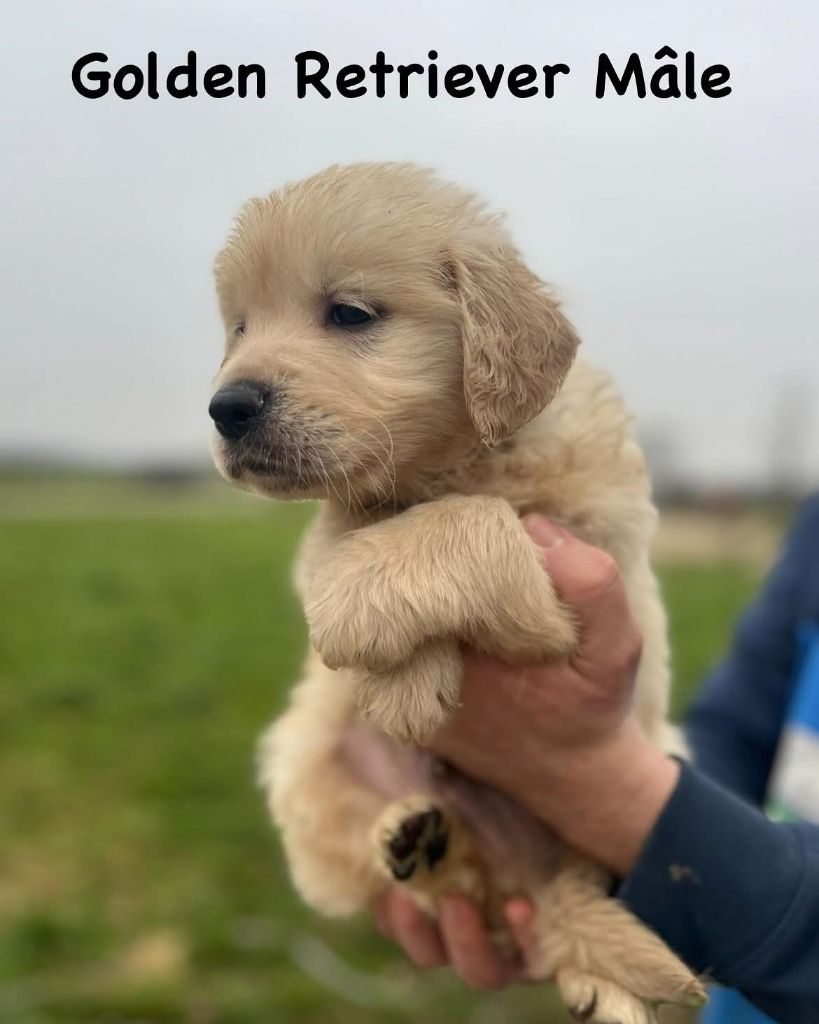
x=381 y=914
x=589 y=582
x=414 y=931
x=520 y=916
x=464 y=733
x=544 y=532
x=469 y=947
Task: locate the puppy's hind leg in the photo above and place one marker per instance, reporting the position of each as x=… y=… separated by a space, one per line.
x=609 y=967
x=423 y=846
x=324 y=811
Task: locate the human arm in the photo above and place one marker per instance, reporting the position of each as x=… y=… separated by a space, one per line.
x=734 y=724
x=735 y=895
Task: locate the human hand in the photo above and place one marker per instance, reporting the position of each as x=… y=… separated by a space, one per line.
x=562 y=738
x=456 y=937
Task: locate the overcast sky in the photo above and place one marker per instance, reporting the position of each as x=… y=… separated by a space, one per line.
x=682 y=234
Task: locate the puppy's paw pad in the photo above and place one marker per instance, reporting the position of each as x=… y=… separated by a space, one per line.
x=417 y=841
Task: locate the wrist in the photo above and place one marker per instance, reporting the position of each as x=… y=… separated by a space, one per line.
x=609 y=796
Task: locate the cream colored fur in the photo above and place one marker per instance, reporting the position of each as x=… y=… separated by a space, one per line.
x=428 y=433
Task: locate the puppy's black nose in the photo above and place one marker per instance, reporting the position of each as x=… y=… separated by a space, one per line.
x=235 y=407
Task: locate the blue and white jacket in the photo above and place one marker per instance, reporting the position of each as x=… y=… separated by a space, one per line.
x=745 y=909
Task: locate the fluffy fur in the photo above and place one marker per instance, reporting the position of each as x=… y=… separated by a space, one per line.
x=428 y=432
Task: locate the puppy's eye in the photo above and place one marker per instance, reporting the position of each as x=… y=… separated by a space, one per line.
x=343 y=315
x=239 y=328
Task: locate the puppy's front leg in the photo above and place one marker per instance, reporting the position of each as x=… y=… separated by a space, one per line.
x=460 y=567
x=457 y=569
x=413 y=700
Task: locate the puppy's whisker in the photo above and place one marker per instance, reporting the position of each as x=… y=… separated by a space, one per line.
x=375 y=483
x=349 y=501
x=381 y=471
x=389 y=467
x=350 y=491
x=329 y=481
x=390 y=457
x=354 y=456
x=323 y=477
x=384 y=460
x=388 y=432
x=383 y=484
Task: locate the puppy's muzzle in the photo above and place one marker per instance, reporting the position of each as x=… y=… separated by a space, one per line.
x=237 y=407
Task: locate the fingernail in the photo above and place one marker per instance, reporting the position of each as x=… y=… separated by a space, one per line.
x=543 y=531
x=518 y=913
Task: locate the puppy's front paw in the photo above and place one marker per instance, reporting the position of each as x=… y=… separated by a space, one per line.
x=358 y=619
x=411 y=702
x=528 y=625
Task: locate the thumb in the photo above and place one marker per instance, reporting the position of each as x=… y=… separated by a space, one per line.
x=588 y=580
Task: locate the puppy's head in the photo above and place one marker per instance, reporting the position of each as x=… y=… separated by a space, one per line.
x=379 y=325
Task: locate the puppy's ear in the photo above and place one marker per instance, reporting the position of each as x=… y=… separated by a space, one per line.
x=517 y=345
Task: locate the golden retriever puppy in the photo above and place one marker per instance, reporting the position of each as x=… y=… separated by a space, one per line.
x=389 y=352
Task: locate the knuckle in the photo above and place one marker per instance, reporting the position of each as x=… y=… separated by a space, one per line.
x=606 y=569
x=418 y=937
x=429 y=958
x=482 y=978
x=381 y=916
x=632 y=646
x=407 y=916
x=418 y=930
x=594 y=574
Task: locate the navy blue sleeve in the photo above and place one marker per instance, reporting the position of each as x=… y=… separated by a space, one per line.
x=734 y=725
x=735 y=895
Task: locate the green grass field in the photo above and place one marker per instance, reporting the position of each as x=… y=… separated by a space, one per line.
x=140 y=656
